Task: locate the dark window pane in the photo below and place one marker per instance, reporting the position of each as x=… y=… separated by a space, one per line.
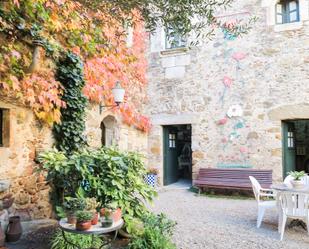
x=293 y=5
x=293 y=16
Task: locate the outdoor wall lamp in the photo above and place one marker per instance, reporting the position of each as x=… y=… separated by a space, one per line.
x=118 y=94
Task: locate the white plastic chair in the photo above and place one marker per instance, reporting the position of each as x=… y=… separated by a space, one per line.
x=295 y=206
x=287 y=181
x=262 y=205
x=306 y=180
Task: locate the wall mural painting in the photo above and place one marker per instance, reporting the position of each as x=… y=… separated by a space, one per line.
x=233 y=127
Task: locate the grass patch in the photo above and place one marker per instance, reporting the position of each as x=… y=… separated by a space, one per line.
x=225 y=194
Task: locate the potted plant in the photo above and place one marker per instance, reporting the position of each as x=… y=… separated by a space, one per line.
x=152 y=177
x=114 y=210
x=107 y=219
x=297 y=178
x=83 y=222
x=71 y=206
x=91 y=206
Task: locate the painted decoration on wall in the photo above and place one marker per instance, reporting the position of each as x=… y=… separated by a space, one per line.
x=233 y=128
x=222 y=121
x=235 y=111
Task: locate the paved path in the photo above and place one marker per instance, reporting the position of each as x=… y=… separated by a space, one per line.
x=217 y=223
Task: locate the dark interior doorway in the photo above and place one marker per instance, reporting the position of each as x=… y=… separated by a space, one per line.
x=295 y=145
x=177 y=153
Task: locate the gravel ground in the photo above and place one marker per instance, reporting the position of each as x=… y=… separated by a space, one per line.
x=215 y=223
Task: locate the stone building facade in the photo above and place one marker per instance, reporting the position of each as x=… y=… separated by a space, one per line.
x=235 y=94
x=24 y=137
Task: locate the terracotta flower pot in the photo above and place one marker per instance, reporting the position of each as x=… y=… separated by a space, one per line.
x=117 y=214
x=71 y=218
x=83 y=226
x=95 y=219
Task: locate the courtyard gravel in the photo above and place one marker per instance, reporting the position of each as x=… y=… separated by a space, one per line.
x=214 y=223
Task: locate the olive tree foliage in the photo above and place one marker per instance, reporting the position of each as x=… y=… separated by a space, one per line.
x=184 y=16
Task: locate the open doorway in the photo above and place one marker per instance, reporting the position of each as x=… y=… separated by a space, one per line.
x=295 y=145
x=177 y=153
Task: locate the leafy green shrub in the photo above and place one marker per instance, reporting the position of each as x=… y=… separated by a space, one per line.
x=82 y=241
x=155 y=234
x=107 y=174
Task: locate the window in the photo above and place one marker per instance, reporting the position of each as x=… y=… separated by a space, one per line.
x=172 y=140
x=290 y=139
x=4 y=127
x=287 y=11
x=1 y=127
x=109 y=131
x=174 y=40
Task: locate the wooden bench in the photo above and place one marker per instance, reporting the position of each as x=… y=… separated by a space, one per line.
x=237 y=179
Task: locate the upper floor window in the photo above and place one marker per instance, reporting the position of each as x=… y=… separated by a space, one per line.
x=174 y=39
x=287 y=11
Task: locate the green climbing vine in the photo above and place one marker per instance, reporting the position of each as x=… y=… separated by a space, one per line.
x=69 y=134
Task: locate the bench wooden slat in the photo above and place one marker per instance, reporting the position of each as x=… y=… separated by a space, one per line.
x=232 y=178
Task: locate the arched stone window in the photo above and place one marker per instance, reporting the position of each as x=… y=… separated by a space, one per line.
x=109 y=131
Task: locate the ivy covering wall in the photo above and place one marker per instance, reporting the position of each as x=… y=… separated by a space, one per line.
x=69 y=134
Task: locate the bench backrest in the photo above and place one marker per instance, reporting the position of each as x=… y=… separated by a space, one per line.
x=241 y=175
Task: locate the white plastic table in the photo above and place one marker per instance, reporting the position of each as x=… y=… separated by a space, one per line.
x=95 y=230
x=284 y=188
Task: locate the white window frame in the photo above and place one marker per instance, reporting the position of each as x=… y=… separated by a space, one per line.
x=270 y=7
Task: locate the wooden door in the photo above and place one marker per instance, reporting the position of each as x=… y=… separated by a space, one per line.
x=170 y=155
x=289 y=148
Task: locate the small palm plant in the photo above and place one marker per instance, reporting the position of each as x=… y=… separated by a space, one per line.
x=297 y=175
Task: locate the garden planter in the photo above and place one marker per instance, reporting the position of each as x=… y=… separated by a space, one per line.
x=116 y=215
x=83 y=226
x=71 y=218
x=95 y=219
x=151 y=179
x=297 y=184
x=2 y=237
x=14 y=229
x=107 y=222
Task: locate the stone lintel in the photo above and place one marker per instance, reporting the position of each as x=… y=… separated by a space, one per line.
x=286 y=112
x=175 y=119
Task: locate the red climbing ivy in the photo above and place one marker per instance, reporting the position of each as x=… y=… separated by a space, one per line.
x=95 y=35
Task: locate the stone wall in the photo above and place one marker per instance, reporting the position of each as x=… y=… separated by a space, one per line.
x=263 y=74
x=17 y=164
x=27 y=137
x=125 y=137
